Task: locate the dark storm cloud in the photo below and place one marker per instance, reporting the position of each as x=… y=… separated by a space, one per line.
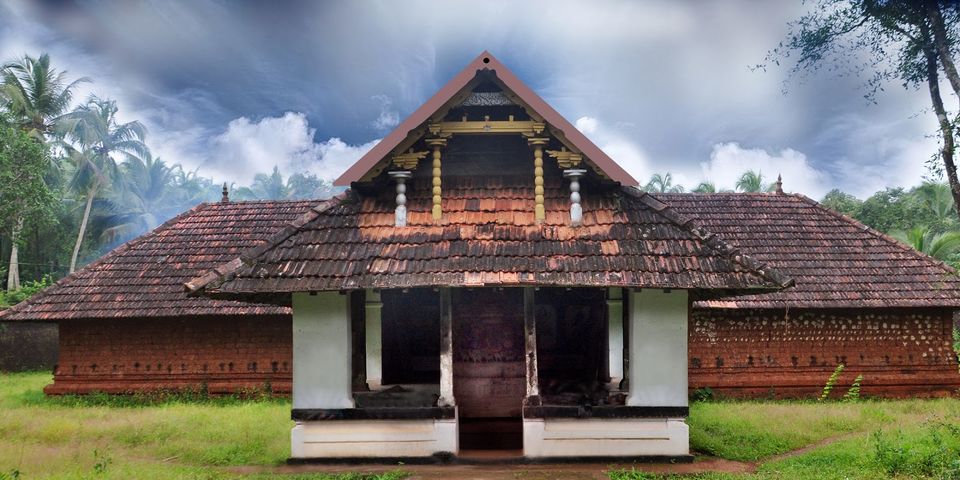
x=664 y=86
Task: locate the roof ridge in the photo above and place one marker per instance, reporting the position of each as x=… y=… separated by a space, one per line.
x=67 y=280
x=220 y=272
x=866 y=228
x=709 y=238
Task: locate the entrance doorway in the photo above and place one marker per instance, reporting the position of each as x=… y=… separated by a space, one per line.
x=489 y=374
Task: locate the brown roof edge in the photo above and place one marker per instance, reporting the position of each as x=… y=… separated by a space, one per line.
x=777 y=279
x=485 y=61
x=116 y=251
x=197 y=284
x=877 y=233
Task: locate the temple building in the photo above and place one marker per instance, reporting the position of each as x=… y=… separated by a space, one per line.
x=493 y=280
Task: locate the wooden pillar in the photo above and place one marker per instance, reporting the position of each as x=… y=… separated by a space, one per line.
x=437 y=144
x=373 y=310
x=615 y=336
x=537 y=144
x=530 y=345
x=446 y=349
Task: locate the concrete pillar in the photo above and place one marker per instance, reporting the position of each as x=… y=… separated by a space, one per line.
x=615 y=336
x=373 y=309
x=530 y=347
x=658 y=348
x=446 y=349
x=321 y=351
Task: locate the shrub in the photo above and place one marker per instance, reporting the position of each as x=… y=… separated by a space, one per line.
x=702 y=394
x=932 y=451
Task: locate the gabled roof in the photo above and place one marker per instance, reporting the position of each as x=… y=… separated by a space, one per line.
x=836 y=261
x=144 y=277
x=486 y=61
x=489 y=237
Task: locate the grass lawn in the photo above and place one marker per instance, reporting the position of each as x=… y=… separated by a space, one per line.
x=117 y=437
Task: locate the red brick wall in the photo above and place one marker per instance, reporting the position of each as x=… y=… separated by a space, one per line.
x=226 y=354
x=762 y=353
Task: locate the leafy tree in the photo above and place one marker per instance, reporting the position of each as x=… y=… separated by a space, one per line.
x=938 y=204
x=886 y=210
x=705 y=187
x=24 y=195
x=35 y=95
x=913 y=41
x=842 y=202
x=662 y=183
x=94 y=128
x=942 y=246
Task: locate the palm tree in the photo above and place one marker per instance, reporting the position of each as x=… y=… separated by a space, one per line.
x=662 y=183
x=938 y=199
x=751 y=182
x=94 y=129
x=943 y=247
x=706 y=187
x=142 y=197
x=36 y=96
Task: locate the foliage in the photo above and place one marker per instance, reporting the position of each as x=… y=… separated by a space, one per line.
x=24 y=195
x=912 y=41
x=853 y=394
x=705 y=187
x=752 y=182
x=702 y=394
x=931 y=452
x=273 y=187
x=842 y=203
x=26 y=290
x=662 y=183
x=944 y=246
x=37 y=95
x=831 y=382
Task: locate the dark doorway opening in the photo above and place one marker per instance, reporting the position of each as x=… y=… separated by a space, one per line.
x=489 y=374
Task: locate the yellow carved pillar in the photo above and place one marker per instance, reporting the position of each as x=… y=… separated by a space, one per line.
x=437 y=143
x=538 y=209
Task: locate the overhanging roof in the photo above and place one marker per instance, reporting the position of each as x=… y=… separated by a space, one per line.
x=486 y=61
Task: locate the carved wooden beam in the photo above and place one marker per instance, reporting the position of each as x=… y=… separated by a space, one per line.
x=408 y=160
x=565 y=158
x=473 y=127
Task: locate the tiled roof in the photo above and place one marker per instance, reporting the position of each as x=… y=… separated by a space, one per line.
x=836 y=261
x=144 y=277
x=489 y=237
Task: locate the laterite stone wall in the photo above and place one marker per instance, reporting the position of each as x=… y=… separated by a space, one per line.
x=27 y=346
x=223 y=354
x=791 y=353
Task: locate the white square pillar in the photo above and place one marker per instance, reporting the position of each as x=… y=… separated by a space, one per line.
x=615 y=336
x=373 y=311
x=321 y=351
x=658 y=348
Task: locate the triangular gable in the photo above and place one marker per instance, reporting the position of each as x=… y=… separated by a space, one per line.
x=485 y=61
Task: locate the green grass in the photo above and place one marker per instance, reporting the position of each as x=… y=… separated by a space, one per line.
x=193 y=436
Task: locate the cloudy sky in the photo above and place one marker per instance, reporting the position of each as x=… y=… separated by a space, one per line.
x=234 y=88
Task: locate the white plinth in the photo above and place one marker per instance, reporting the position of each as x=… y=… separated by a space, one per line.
x=373 y=438
x=601 y=437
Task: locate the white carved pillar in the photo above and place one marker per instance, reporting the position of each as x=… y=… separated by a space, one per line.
x=615 y=336
x=576 y=211
x=373 y=310
x=401 y=177
x=446 y=349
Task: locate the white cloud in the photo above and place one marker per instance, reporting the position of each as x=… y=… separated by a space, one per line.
x=248 y=147
x=729 y=160
x=389 y=117
x=627 y=153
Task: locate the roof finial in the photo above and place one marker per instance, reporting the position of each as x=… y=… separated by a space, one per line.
x=779 y=184
x=226 y=194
